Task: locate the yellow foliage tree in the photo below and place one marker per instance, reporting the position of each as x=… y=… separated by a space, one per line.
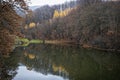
x=62 y=14
x=56 y=14
x=31 y=25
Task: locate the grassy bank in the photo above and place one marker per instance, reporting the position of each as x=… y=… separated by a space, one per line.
x=25 y=41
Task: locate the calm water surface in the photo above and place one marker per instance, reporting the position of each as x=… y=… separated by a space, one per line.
x=55 y=62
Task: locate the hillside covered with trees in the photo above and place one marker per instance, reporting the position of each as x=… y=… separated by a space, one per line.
x=76 y=40
x=90 y=23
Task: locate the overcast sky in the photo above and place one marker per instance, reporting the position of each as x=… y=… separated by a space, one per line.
x=49 y=2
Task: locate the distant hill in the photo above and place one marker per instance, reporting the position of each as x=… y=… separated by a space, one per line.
x=34 y=7
x=59 y=7
x=20 y=12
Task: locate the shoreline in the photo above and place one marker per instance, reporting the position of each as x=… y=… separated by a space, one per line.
x=63 y=42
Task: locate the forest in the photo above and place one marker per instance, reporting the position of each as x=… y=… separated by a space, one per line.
x=89 y=23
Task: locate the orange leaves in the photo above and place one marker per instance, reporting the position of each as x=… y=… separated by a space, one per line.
x=9 y=24
x=6 y=42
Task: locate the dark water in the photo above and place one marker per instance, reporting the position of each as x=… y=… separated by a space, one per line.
x=55 y=62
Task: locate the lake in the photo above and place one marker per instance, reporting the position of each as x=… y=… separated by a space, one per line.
x=59 y=62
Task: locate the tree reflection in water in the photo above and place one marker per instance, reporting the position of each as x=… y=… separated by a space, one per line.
x=8 y=66
x=69 y=62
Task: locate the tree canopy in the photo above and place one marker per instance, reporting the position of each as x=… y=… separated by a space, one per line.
x=10 y=22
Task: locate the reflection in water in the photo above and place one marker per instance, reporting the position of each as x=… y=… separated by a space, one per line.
x=24 y=74
x=8 y=67
x=53 y=62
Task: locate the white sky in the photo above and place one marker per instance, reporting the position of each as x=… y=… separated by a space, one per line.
x=49 y=2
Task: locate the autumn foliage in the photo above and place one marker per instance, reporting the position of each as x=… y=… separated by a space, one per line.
x=10 y=24
x=93 y=23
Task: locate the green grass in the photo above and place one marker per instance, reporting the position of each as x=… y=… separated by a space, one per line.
x=26 y=42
